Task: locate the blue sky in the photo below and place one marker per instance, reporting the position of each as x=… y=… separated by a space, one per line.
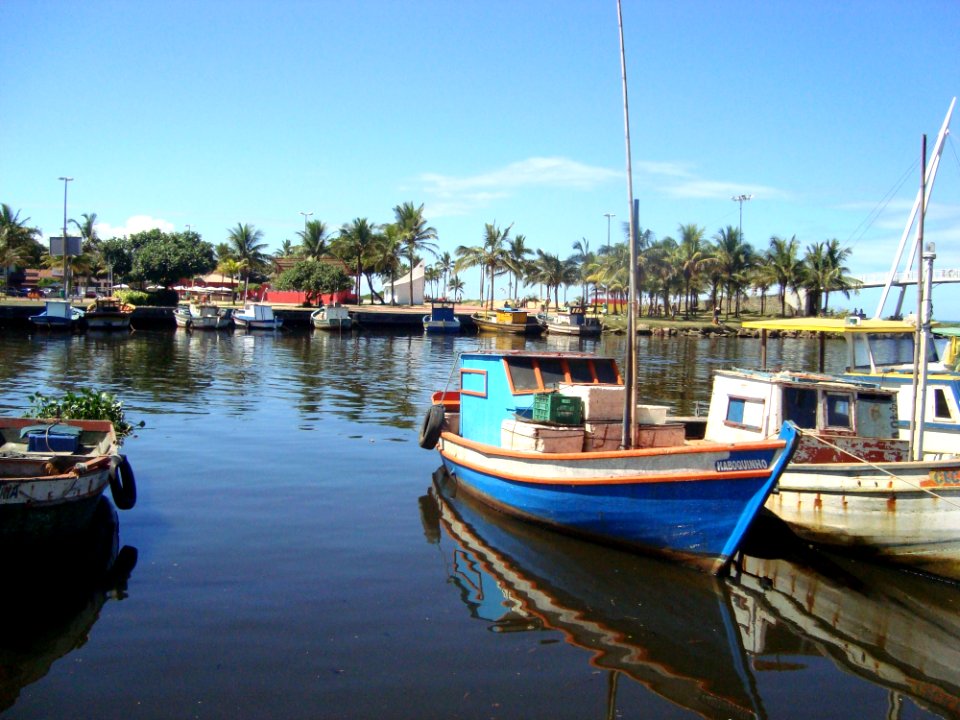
x=210 y=114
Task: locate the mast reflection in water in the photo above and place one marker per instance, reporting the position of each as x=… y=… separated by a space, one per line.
x=665 y=627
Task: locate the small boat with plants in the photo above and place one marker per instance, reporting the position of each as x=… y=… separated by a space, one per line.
x=54 y=469
x=332 y=318
x=257 y=316
x=58 y=315
x=510 y=321
x=203 y=314
x=851 y=485
x=573 y=321
x=108 y=313
x=539 y=435
x=441 y=319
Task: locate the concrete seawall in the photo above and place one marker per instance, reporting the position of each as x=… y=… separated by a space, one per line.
x=17 y=316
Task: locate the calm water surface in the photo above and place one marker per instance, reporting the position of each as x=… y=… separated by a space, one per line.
x=290 y=557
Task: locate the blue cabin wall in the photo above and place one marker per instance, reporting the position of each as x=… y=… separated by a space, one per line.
x=481 y=417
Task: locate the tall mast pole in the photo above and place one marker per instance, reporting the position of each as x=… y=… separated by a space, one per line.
x=629 y=430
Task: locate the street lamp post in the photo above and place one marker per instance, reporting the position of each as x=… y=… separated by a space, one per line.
x=305 y=216
x=66 y=260
x=607 y=290
x=741 y=199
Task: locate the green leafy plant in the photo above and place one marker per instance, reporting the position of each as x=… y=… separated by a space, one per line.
x=86 y=404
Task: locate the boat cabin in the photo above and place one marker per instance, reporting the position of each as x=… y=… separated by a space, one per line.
x=834 y=416
x=442 y=311
x=497 y=385
x=259 y=312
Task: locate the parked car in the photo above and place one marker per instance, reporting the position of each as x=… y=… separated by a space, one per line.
x=16 y=292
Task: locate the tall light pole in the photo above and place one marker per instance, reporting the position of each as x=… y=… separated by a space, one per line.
x=305 y=216
x=66 y=262
x=741 y=199
x=608 y=216
x=606 y=291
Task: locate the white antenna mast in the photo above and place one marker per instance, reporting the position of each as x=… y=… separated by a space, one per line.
x=930 y=177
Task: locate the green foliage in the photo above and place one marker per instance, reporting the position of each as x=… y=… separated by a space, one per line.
x=314 y=278
x=165 y=258
x=86 y=404
x=133 y=297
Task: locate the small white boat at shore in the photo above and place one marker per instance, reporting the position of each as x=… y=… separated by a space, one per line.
x=108 y=313
x=331 y=318
x=203 y=314
x=441 y=319
x=573 y=321
x=257 y=316
x=57 y=315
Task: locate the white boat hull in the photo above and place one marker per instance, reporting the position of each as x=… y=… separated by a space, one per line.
x=909 y=515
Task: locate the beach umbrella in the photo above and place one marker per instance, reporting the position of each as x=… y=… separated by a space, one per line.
x=121 y=286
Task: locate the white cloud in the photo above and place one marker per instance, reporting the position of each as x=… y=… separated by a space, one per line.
x=453 y=195
x=134 y=224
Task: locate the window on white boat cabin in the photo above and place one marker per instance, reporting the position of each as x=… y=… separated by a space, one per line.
x=745 y=413
x=838 y=407
x=800 y=406
x=876 y=415
x=941 y=405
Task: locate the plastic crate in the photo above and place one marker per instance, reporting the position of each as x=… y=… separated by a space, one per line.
x=557 y=408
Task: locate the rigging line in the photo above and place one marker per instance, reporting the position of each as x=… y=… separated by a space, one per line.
x=880 y=469
x=874 y=214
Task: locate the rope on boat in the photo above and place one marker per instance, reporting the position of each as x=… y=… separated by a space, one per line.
x=880 y=469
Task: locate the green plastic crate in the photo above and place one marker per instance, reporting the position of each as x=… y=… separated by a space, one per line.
x=556 y=408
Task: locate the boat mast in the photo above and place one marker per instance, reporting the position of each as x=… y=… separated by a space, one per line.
x=930 y=176
x=629 y=430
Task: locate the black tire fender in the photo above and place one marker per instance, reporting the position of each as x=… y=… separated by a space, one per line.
x=432 y=427
x=123 y=486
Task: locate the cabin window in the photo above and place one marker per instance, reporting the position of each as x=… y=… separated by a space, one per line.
x=580 y=371
x=800 y=407
x=745 y=413
x=839 y=413
x=941 y=406
x=551 y=371
x=522 y=375
x=606 y=371
x=876 y=415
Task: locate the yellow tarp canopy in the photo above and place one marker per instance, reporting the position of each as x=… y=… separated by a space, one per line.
x=832 y=325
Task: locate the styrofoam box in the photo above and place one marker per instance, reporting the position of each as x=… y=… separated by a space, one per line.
x=602 y=436
x=652 y=414
x=533 y=437
x=655 y=436
x=600 y=402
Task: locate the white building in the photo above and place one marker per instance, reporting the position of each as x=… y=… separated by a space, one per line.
x=401 y=288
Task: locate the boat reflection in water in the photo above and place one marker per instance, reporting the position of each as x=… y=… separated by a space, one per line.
x=668 y=628
x=896 y=629
x=52 y=596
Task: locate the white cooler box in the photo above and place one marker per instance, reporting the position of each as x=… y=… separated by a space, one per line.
x=601 y=403
x=532 y=437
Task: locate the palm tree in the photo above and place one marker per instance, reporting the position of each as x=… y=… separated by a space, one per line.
x=314 y=239
x=230 y=268
x=693 y=258
x=445 y=266
x=356 y=243
x=732 y=260
x=583 y=258
x=286 y=249
x=839 y=273
x=385 y=257
x=248 y=251
x=415 y=234
x=516 y=261
x=785 y=266
x=554 y=272
x=456 y=286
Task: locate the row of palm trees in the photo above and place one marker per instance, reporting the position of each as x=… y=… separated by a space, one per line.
x=673 y=274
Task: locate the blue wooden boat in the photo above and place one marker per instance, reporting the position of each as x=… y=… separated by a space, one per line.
x=57 y=315
x=441 y=319
x=505 y=438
